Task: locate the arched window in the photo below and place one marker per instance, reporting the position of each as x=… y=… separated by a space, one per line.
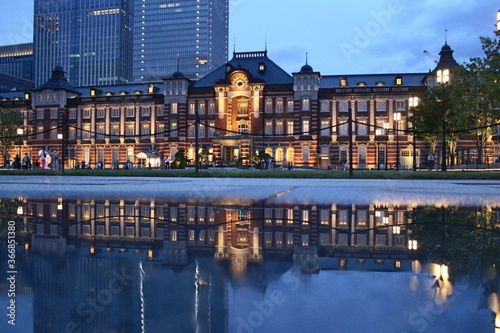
x=279 y=155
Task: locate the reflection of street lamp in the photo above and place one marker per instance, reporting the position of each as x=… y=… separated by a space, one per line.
x=443 y=77
x=397 y=118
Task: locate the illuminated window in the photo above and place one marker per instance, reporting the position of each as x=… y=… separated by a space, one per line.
x=325 y=127
x=279 y=105
x=242 y=107
x=279 y=127
x=305 y=127
x=289 y=106
x=268 y=129
x=269 y=105
x=173 y=129
x=343 y=82
x=173 y=108
x=145 y=128
x=289 y=127
x=305 y=104
x=399 y=80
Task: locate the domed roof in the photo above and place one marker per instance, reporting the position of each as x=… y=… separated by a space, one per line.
x=306 y=69
x=446 y=47
x=177 y=75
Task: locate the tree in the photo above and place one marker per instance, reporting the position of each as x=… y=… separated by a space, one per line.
x=436 y=106
x=477 y=93
x=180 y=159
x=10 y=121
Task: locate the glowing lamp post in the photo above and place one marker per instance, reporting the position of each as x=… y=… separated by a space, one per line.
x=20 y=133
x=397 y=118
x=413 y=102
x=443 y=77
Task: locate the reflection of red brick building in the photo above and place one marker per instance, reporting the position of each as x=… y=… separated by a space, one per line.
x=240 y=233
x=248 y=105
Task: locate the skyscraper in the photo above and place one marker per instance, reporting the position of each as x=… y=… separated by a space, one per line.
x=91 y=40
x=191 y=34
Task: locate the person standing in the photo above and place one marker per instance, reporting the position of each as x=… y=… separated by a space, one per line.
x=26 y=161
x=430 y=162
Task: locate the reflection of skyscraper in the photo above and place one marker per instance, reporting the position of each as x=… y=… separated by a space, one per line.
x=91 y=40
x=192 y=32
x=89 y=294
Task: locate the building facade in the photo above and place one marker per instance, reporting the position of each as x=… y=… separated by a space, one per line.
x=91 y=39
x=16 y=67
x=246 y=108
x=192 y=35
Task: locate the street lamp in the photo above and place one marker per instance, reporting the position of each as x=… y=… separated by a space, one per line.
x=413 y=102
x=443 y=77
x=397 y=118
x=20 y=132
x=386 y=127
x=60 y=136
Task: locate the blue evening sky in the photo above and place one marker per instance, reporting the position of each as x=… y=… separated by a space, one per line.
x=340 y=37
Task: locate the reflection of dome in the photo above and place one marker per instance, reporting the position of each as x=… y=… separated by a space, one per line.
x=306 y=69
x=216 y=133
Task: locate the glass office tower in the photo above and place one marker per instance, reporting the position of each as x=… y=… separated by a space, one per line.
x=91 y=40
x=189 y=34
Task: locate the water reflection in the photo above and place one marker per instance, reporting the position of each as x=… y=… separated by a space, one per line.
x=179 y=266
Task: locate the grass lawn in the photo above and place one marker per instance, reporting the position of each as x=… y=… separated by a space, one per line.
x=357 y=174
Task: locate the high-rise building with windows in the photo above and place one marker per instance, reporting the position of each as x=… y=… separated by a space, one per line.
x=191 y=35
x=91 y=39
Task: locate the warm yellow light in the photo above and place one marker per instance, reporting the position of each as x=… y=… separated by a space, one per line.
x=59 y=136
x=150 y=254
x=412 y=244
x=92 y=249
x=20 y=210
x=20 y=131
x=413 y=101
x=443 y=76
x=497 y=323
x=26 y=246
x=444 y=272
x=386 y=125
x=397 y=116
